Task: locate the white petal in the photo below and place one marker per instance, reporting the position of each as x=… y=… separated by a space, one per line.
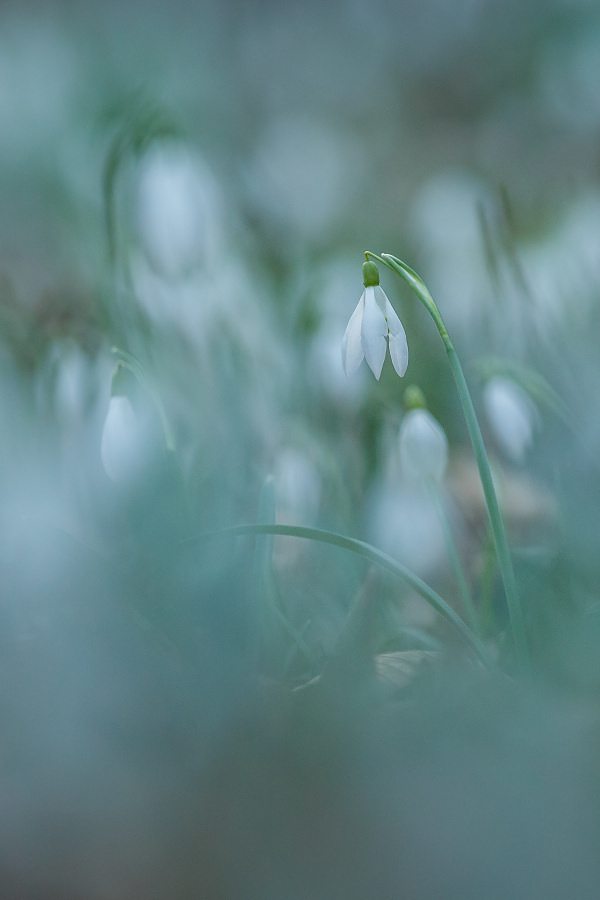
x=373 y=332
x=394 y=323
x=352 y=352
x=423 y=445
x=380 y=298
x=399 y=352
x=398 y=344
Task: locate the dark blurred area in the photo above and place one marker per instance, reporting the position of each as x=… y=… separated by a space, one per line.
x=187 y=192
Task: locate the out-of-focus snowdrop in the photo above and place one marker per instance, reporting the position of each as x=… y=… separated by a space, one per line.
x=401 y=515
x=304 y=174
x=221 y=317
x=423 y=445
x=69 y=385
x=445 y=223
x=220 y=327
x=183 y=280
x=513 y=416
x=179 y=210
x=70 y=390
x=402 y=521
x=121 y=440
x=74 y=377
x=63 y=382
x=127 y=444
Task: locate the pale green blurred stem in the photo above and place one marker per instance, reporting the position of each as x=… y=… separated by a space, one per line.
x=496 y=521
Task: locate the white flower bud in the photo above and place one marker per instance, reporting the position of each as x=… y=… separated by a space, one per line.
x=423 y=445
x=512 y=415
x=177 y=210
x=121 y=448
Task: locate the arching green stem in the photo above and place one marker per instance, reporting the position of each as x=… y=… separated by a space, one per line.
x=373 y=555
x=496 y=521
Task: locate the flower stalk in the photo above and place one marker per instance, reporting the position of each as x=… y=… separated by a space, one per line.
x=496 y=522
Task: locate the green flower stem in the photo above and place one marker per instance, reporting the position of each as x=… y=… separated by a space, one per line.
x=373 y=555
x=487 y=581
x=496 y=521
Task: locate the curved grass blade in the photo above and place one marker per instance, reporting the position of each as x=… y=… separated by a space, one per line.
x=361 y=548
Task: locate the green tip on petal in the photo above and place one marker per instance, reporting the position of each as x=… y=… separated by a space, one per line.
x=370 y=274
x=414 y=398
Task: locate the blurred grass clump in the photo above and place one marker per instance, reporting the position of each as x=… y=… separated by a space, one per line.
x=231 y=664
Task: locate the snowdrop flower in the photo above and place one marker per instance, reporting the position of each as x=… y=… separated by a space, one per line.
x=423 y=441
x=178 y=210
x=371 y=323
x=125 y=445
x=120 y=440
x=512 y=414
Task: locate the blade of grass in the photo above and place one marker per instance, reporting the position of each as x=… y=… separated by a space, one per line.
x=265 y=593
x=372 y=554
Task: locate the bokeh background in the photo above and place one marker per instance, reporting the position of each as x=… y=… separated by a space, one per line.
x=196 y=184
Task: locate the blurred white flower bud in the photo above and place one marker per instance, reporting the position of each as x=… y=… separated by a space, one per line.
x=122 y=441
x=513 y=416
x=423 y=445
x=178 y=208
x=401 y=520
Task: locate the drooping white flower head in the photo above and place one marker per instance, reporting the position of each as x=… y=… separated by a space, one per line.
x=372 y=326
x=126 y=444
x=423 y=443
x=512 y=414
x=120 y=447
x=178 y=210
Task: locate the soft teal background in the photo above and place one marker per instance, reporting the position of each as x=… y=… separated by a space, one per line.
x=197 y=183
